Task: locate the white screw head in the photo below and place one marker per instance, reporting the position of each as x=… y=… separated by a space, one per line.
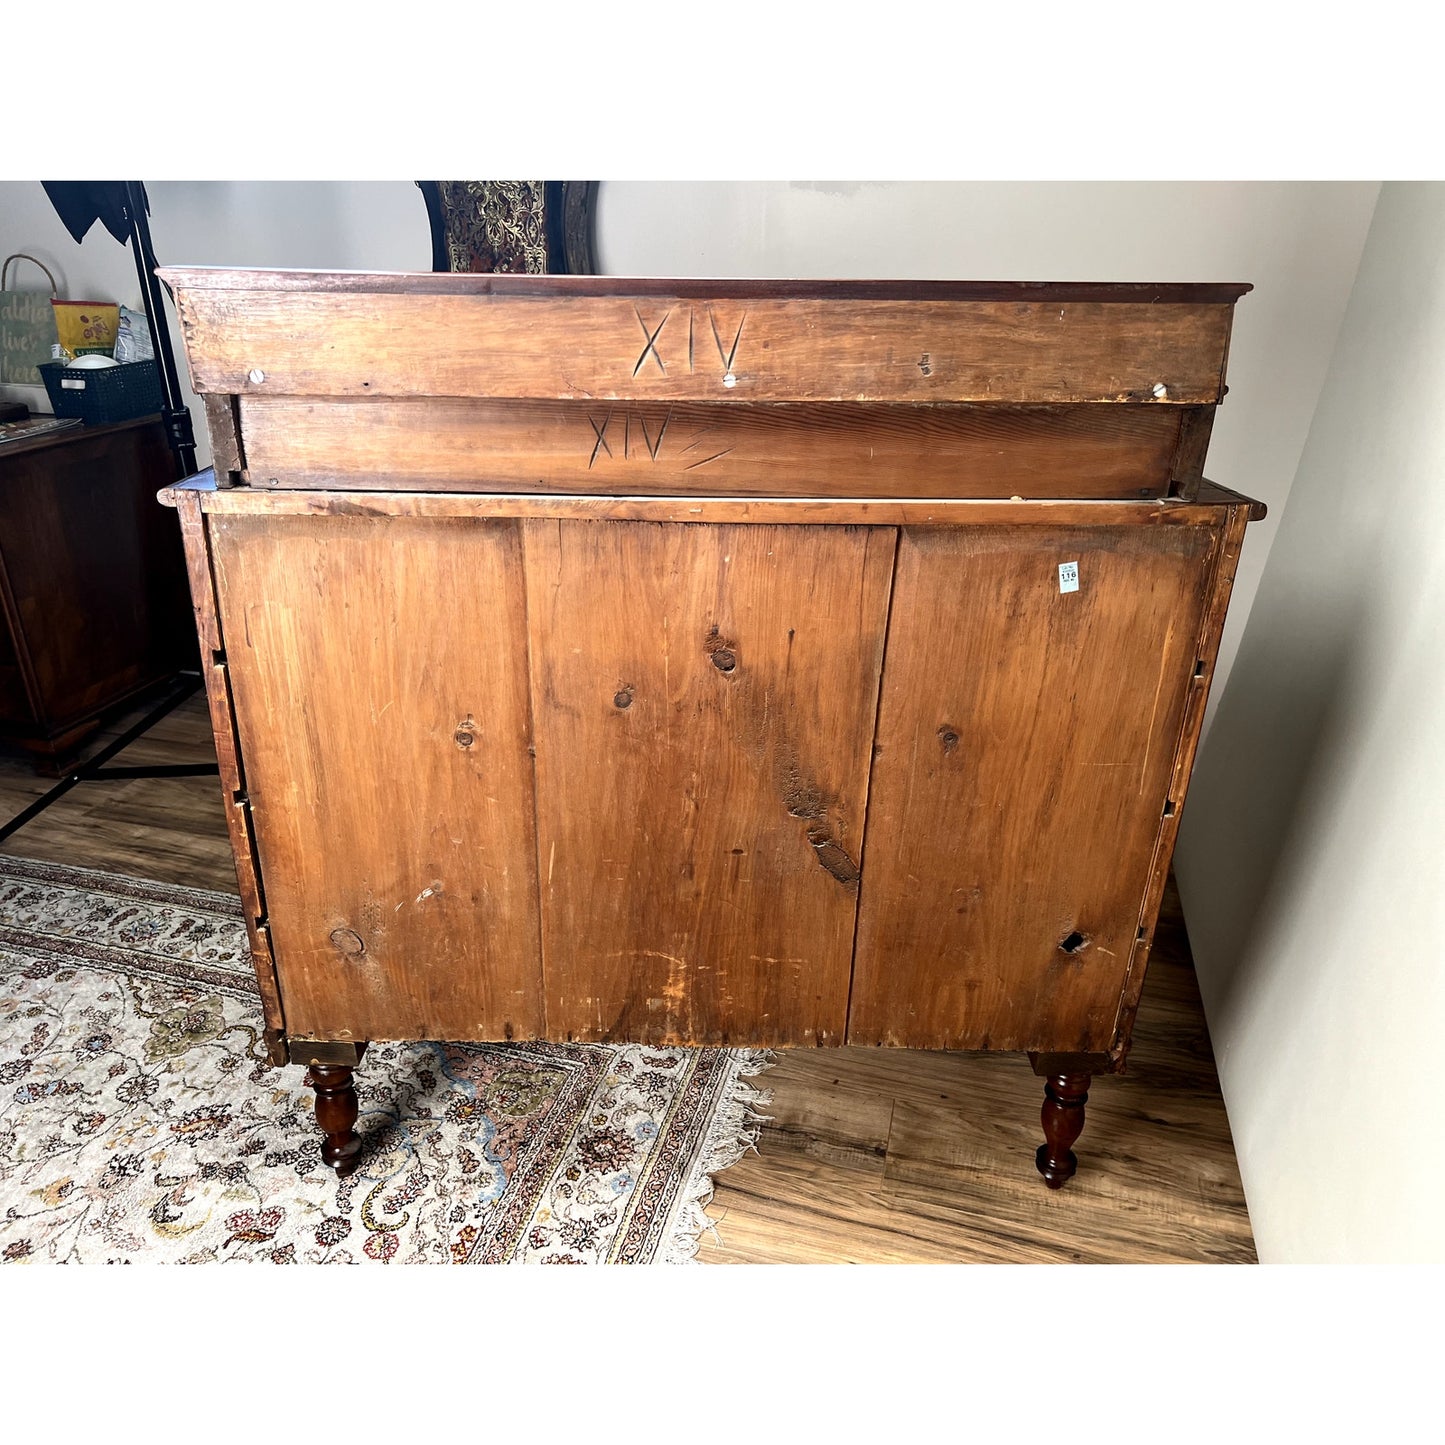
x=257 y=376
x=1159 y=388
x=730 y=380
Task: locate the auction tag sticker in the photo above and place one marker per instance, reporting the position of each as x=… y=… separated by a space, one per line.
x=1068 y=576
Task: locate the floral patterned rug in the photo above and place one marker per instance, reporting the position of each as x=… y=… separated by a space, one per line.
x=139 y=1120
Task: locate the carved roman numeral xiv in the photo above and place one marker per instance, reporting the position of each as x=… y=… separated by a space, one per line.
x=727 y=350
x=651 y=348
x=604 y=434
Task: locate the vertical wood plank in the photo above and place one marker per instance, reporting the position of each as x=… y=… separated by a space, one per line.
x=1024 y=757
x=704 y=702
x=223 y=425
x=195 y=529
x=1206 y=654
x=381 y=697
x=1186 y=470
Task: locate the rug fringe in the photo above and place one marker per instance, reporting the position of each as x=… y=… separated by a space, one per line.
x=734 y=1131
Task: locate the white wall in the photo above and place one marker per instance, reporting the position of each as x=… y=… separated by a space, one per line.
x=327 y=225
x=1311 y=864
x=1299 y=243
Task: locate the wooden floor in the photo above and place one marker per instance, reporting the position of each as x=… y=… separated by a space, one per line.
x=872 y=1156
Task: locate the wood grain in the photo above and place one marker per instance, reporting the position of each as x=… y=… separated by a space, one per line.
x=765 y=511
x=1206 y=647
x=472 y=284
x=1186 y=471
x=1024 y=755
x=223 y=426
x=1213 y=495
x=704 y=702
x=652 y=448
x=669 y=348
x=381 y=701
x=236 y=803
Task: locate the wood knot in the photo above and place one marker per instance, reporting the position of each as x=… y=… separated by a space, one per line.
x=832 y=857
x=348 y=942
x=463 y=739
x=722 y=652
x=622 y=697
x=948 y=737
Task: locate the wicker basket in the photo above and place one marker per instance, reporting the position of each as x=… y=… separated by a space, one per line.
x=105 y=395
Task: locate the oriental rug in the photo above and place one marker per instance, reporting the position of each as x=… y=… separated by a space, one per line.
x=140 y=1121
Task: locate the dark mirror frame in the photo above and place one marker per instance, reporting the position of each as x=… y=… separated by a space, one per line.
x=568 y=208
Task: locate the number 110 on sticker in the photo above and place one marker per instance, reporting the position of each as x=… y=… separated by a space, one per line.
x=1068 y=576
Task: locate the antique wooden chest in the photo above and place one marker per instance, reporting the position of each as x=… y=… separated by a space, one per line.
x=703 y=662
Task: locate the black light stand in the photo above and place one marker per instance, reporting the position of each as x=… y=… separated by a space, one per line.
x=177 y=416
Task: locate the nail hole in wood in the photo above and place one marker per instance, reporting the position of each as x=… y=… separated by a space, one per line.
x=724 y=660
x=1142 y=934
x=1074 y=943
x=948 y=737
x=1169 y=808
x=1199 y=668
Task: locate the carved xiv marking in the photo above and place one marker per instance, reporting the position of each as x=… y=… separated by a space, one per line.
x=727 y=352
x=601 y=443
x=727 y=356
x=651 y=348
x=652 y=444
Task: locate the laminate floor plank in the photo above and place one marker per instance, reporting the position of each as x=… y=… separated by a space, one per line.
x=881 y=1156
x=168 y=829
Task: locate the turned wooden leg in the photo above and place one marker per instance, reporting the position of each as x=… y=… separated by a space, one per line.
x=336 y=1111
x=1063 y=1118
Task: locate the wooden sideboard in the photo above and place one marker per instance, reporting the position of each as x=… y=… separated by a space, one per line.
x=704 y=662
x=92 y=582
